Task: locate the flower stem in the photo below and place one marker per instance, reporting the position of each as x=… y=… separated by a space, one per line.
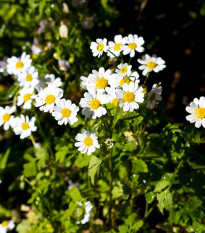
x=146 y=78
x=114 y=56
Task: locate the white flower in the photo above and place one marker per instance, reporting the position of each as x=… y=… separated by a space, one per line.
x=91 y=105
x=153 y=96
x=6 y=226
x=17 y=65
x=197 y=112
x=28 y=78
x=47 y=97
x=116 y=46
x=149 y=64
x=25 y=98
x=88 y=208
x=112 y=96
x=6 y=118
x=36 y=49
x=63 y=64
x=98 y=81
x=99 y=47
x=124 y=69
x=130 y=96
x=134 y=43
x=87 y=142
x=63 y=30
x=49 y=80
x=84 y=82
x=65 y=112
x=24 y=126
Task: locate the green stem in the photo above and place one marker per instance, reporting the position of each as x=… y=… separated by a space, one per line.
x=146 y=78
x=110 y=189
x=146 y=121
x=114 y=56
x=33 y=140
x=176 y=171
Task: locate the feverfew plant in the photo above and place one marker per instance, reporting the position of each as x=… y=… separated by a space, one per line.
x=107 y=160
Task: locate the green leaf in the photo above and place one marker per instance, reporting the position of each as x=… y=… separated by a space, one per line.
x=139 y=166
x=4 y=159
x=165 y=200
x=30 y=169
x=120 y=191
x=137 y=225
x=94 y=168
x=161 y=185
x=123 y=229
x=149 y=196
x=75 y=194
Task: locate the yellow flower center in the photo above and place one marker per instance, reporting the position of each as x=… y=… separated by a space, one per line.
x=152 y=97
x=65 y=112
x=19 y=65
x=151 y=65
x=63 y=65
x=132 y=46
x=88 y=141
x=94 y=104
x=29 y=78
x=200 y=112
x=128 y=97
x=101 y=83
x=25 y=126
x=115 y=101
x=6 y=117
x=50 y=99
x=100 y=47
x=124 y=80
x=117 y=47
x=124 y=70
x=26 y=97
x=5 y=223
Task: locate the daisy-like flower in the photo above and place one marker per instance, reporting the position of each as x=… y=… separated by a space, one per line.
x=47 y=97
x=6 y=226
x=98 y=81
x=63 y=65
x=153 y=96
x=91 y=105
x=84 y=82
x=36 y=49
x=87 y=142
x=65 y=112
x=6 y=118
x=130 y=96
x=17 y=65
x=24 y=126
x=88 y=208
x=99 y=47
x=49 y=80
x=124 y=69
x=115 y=47
x=28 y=78
x=24 y=98
x=149 y=64
x=197 y=112
x=134 y=43
x=113 y=96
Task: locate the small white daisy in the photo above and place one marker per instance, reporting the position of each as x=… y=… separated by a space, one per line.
x=6 y=118
x=124 y=69
x=28 y=78
x=99 y=47
x=197 y=112
x=24 y=126
x=149 y=64
x=84 y=81
x=25 y=98
x=87 y=142
x=115 y=47
x=153 y=96
x=91 y=105
x=65 y=112
x=134 y=43
x=47 y=97
x=17 y=65
x=130 y=96
x=86 y=217
x=98 y=81
x=112 y=96
x=6 y=226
